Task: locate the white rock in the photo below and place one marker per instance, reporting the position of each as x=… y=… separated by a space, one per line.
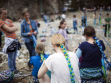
x=21 y=56
x=21 y=65
x=25 y=51
x=21 y=61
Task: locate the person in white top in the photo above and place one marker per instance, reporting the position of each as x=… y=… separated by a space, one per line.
x=57 y=63
x=63 y=16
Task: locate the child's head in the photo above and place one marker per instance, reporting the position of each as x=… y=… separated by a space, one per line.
x=74 y=16
x=107 y=15
x=34 y=18
x=57 y=39
x=89 y=31
x=39 y=48
x=62 y=24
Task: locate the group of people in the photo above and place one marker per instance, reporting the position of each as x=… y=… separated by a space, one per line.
x=107 y=22
x=47 y=18
x=104 y=8
x=84 y=64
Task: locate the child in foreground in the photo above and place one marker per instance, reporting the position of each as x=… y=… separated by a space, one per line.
x=75 y=23
x=62 y=64
x=37 y=61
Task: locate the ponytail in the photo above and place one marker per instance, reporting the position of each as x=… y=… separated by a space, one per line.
x=69 y=63
x=59 y=27
x=102 y=52
x=42 y=56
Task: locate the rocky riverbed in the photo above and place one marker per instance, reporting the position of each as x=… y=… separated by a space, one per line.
x=46 y=30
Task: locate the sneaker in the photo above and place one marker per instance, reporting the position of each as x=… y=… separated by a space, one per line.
x=16 y=71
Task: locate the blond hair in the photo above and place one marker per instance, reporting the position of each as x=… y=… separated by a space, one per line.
x=57 y=39
x=39 y=48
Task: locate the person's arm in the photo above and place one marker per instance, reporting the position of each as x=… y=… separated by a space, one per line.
x=22 y=31
x=10 y=29
x=19 y=20
x=42 y=71
x=79 y=53
x=110 y=21
x=31 y=62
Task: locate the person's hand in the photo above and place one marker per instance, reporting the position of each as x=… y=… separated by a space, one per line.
x=30 y=33
x=15 y=28
x=35 y=33
x=75 y=49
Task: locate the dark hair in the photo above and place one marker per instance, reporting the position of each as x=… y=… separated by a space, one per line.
x=34 y=17
x=74 y=15
x=107 y=14
x=89 y=31
x=39 y=48
x=24 y=12
x=2 y=9
x=62 y=22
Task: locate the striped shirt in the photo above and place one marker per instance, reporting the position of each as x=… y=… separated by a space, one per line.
x=9 y=24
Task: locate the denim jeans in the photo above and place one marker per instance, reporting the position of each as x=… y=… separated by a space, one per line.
x=86 y=22
x=94 y=21
x=75 y=29
x=30 y=48
x=12 y=60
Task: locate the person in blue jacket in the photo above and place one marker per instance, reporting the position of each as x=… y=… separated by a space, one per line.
x=29 y=31
x=75 y=23
x=37 y=61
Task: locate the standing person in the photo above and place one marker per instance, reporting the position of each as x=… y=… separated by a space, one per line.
x=11 y=41
x=82 y=20
x=75 y=23
x=95 y=9
x=21 y=19
x=109 y=8
x=37 y=61
x=63 y=16
x=62 y=64
x=94 y=16
x=100 y=19
x=37 y=23
x=107 y=25
x=29 y=31
x=101 y=9
x=59 y=17
x=85 y=19
x=45 y=17
x=62 y=31
x=84 y=9
x=91 y=69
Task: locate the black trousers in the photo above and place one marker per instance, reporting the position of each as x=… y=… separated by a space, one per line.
x=30 y=48
x=105 y=34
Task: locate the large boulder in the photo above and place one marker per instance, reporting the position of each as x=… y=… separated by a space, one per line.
x=35 y=7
